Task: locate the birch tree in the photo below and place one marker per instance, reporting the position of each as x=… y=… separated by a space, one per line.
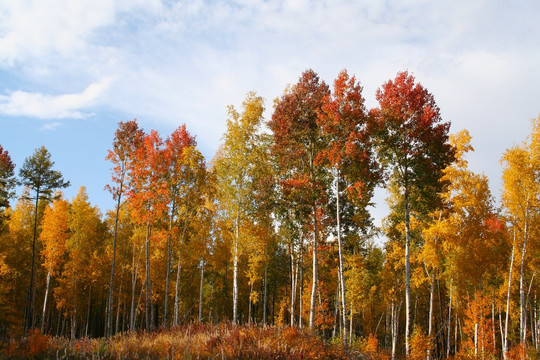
x=127 y=139
x=414 y=148
x=521 y=200
x=234 y=168
x=298 y=141
x=346 y=124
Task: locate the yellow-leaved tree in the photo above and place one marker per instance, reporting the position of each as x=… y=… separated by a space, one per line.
x=521 y=201
x=54 y=233
x=82 y=269
x=234 y=166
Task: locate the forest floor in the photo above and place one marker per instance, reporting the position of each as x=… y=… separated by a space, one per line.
x=198 y=341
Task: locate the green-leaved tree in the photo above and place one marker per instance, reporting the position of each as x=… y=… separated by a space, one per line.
x=37 y=174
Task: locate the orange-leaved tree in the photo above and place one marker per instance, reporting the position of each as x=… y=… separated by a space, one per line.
x=54 y=233
x=185 y=176
x=346 y=124
x=147 y=199
x=127 y=140
x=298 y=141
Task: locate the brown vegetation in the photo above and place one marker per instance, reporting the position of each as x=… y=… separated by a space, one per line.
x=203 y=341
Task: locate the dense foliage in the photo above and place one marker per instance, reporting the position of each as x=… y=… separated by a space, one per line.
x=275 y=230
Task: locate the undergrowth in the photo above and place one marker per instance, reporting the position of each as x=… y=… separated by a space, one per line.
x=197 y=341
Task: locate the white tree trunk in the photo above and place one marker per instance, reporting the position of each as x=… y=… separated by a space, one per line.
x=505 y=337
x=147 y=305
x=294 y=279
x=341 y=266
x=45 y=301
x=395 y=327
x=407 y=277
x=430 y=316
x=522 y=302
x=201 y=291
x=476 y=340
x=168 y=267
x=235 y=271
x=265 y=287
x=315 y=275
x=178 y=270
x=176 y=288
x=111 y=281
x=301 y=290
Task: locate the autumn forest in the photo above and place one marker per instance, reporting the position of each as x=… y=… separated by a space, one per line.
x=275 y=232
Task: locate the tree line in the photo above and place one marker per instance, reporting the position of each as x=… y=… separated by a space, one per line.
x=276 y=229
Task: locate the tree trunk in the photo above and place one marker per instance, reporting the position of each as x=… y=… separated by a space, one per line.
x=493 y=332
x=265 y=287
x=449 y=321
x=337 y=318
x=201 y=291
x=294 y=280
x=351 y=324
x=407 y=276
x=457 y=325
x=505 y=338
x=341 y=266
x=536 y=323
x=58 y=323
x=88 y=312
x=395 y=327
x=476 y=340
x=73 y=325
x=176 y=288
x=45 y=300
x=301 y=302
x=522 y=303
x=30 y=309
x=430 y=316
x=235 y=270
x=147 y=304
x=314 y=282
x=167 y=279
x=117 y=326
x=135 y=267
x=440 y=302
x=108 y=331
x=250 y=303
x=143 y=288
x=501 y=330
x=168 y=276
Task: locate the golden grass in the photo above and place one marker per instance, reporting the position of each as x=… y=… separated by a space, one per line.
x=197 y=341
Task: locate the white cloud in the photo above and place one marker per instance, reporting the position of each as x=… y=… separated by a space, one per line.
x=184 y=61
x=49 y=126
x=35 y=28
x=22 y=103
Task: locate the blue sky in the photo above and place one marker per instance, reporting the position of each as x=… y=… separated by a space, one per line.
x=71 y=70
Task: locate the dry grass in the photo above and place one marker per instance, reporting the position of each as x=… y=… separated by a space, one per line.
x=223 y=341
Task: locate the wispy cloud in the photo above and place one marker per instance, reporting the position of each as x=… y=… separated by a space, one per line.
x=49 y=126
x=42 y=106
